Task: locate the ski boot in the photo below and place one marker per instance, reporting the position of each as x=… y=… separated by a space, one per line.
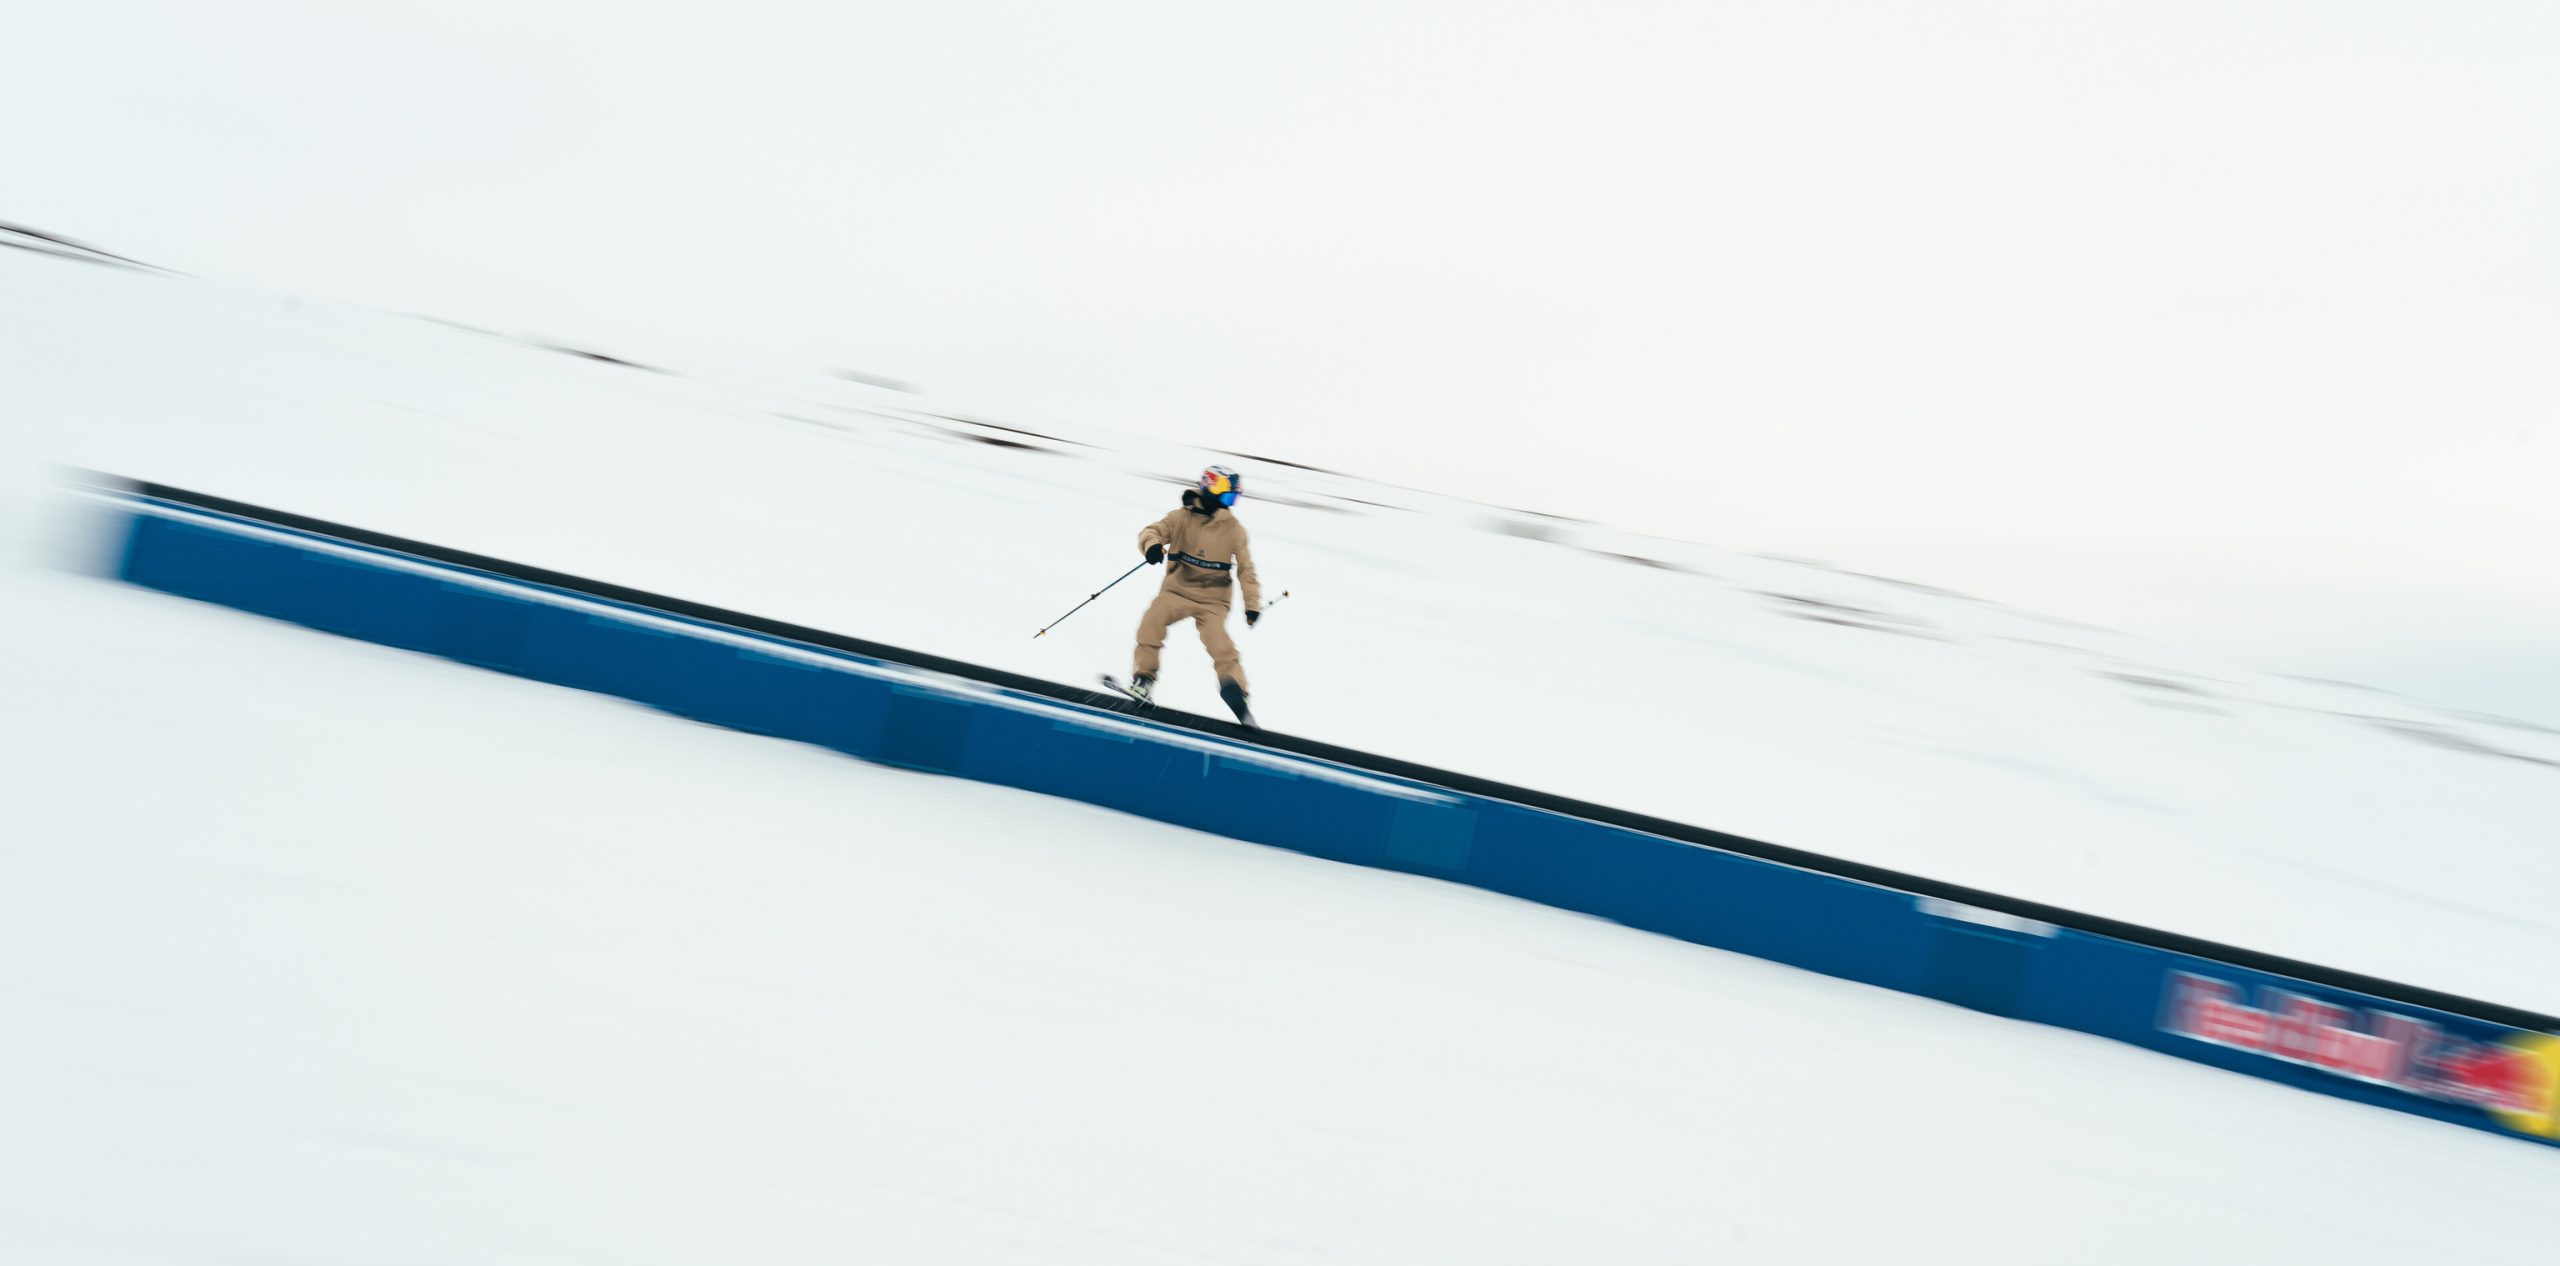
x=1235 y=697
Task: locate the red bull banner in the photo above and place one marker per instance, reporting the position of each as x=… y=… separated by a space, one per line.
x=2513 y=1078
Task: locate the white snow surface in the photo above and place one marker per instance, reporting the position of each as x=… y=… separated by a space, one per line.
x=316 y=951
x=311 y=950
x=1846 y=714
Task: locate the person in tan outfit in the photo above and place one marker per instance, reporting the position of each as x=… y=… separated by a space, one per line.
x=1205 y=553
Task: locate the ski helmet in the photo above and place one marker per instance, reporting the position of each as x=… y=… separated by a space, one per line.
x=1220 y=485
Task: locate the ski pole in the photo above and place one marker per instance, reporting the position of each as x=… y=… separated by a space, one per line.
x=1088 y=598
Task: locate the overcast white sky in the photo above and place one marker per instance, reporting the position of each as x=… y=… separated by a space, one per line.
x=2232 y=324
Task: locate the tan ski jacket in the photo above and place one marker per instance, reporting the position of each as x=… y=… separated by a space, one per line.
x=1204 y=555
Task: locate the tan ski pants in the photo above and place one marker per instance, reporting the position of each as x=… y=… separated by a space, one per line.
x=1170 y=609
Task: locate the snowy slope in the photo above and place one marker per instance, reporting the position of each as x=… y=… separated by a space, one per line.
x=311 y=950
x=1846 y=714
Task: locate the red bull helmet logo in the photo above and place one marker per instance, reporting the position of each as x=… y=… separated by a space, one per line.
x=2515 y=1080
x=1220 y=485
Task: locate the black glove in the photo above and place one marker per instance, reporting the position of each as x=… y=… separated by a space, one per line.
x=1155 y=553
x=1252 y=618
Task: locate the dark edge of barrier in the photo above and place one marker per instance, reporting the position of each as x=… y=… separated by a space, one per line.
x=1918 y=886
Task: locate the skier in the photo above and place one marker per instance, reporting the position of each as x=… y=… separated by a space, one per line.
x=1208 y=552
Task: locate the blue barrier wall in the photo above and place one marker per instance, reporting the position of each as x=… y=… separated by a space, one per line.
x=2415 y=1059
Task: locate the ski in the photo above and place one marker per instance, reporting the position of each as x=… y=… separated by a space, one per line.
x=1116 y=686
x=1235 y=702
x=1234 y=697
